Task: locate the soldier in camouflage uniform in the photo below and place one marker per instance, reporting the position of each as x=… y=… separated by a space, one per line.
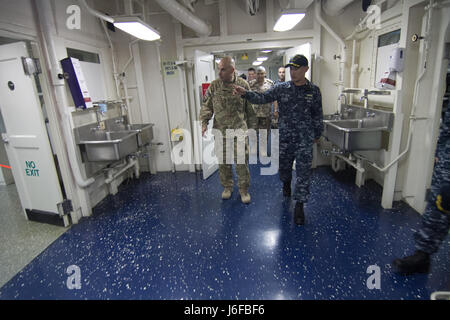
x=263 y=112
x=230 y=112
x=300 y=125
x=281 y=79
x=436 y=219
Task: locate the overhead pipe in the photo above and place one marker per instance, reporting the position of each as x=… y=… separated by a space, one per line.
x=115 y=74
x=336 y=7
x=47 y=25
x=95 y=12
x=166 y=104
x=183 y=15
x=354 y=70
x=131 y=55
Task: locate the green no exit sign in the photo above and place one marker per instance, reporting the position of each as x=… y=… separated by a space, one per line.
x=31 y=169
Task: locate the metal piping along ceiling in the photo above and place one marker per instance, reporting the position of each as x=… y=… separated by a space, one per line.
x=96 y=13
x=183 y=15
x=335 y=7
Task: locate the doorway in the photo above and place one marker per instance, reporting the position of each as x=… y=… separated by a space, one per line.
x=21 y=239
x=277 y=52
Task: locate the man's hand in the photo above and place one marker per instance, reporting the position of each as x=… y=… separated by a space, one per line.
x=239 y=90
x=204 y=128
x=275 y=114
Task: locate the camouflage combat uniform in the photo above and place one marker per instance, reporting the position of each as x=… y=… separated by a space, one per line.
x=263 y=112
x=436 y=219
x=299 y=122
x=230 y=112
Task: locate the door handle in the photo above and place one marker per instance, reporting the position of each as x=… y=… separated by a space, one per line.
x=5 y=138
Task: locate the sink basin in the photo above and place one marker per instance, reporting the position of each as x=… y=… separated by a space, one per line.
x=358 y=129
x=144 y=131
x=357 y=125
x=352 y=135
x=102 y=145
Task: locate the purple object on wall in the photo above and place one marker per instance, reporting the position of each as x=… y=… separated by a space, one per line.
x=72 y=81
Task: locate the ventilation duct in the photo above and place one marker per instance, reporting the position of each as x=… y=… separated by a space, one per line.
x=335 y=7
x=183 y=15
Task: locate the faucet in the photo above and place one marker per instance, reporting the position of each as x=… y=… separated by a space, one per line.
x=342 y=95
x=97 y=115
x=123 y=106
x=365 y=98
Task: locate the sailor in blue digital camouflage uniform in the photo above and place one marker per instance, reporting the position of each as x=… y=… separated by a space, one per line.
x=436 y=219
x=300 y=125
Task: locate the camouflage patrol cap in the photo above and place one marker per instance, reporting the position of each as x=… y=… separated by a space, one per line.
x=297 y=61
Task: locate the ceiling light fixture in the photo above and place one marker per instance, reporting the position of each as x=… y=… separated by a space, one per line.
x=262 y=59
x=288 y=20
x=266 y=51
x=257 y=63
x=136 y=27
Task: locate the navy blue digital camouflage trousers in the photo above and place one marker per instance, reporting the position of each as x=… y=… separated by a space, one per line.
x=434 y=229
x=303 y=155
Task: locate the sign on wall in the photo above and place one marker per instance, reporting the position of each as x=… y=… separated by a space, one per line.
x=170 y=68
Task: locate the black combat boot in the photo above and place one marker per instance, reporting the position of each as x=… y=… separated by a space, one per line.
x=287 y=189
x=419 y=262
x=299 y=216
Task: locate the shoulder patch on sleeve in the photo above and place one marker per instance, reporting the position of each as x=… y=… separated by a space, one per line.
x=207 y=94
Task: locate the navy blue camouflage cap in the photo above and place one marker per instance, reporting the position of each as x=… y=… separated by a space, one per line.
x=297 y=61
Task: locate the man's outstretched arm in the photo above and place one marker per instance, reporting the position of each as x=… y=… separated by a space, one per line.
x=257 y=97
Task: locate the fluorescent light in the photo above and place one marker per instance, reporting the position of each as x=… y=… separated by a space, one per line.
x=287 y=21
x=136 y=27
x=266 y=51
x=257 y=63
x=262 y=59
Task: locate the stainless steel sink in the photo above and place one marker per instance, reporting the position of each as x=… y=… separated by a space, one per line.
x=103 y=145
x=144 y=131
x=358 y=128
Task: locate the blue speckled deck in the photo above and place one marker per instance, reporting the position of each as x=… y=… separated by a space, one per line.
x=170 y=236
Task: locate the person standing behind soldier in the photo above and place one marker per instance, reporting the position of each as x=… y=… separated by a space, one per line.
x=263 y=112
x=281 y=75
x=300 y=125
x=281 y=79
x=230 y=112
x=251 y=74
